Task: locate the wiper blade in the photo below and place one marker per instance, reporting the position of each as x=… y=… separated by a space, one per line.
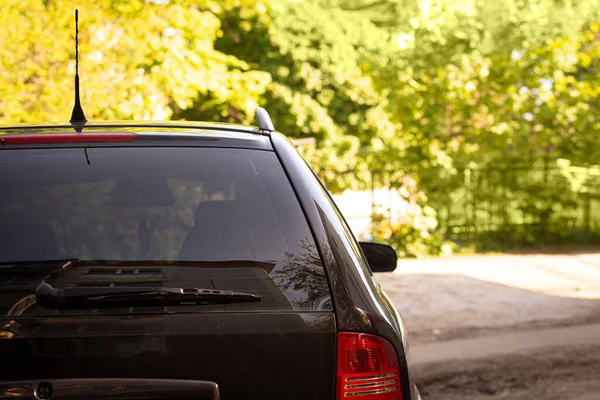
x=89 y=297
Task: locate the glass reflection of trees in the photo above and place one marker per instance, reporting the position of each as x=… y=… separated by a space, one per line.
x=302 y=272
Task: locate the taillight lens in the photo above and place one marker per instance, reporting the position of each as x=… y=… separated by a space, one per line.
x=367 y=368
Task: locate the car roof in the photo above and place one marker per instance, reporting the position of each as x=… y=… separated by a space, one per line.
x=30 y=127
x=209 y=133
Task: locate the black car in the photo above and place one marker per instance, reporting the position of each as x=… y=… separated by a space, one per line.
x=185 y=261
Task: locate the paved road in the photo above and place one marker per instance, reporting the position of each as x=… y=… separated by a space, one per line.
x=502 y=327
x=465 y=297
x=560 y=363
x=505 y=344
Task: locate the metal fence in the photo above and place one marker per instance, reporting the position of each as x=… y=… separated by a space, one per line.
x=544 y=203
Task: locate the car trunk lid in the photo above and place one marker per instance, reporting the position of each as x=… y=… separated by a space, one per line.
x=250 y=355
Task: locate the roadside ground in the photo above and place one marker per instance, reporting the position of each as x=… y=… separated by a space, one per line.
x=495 y=327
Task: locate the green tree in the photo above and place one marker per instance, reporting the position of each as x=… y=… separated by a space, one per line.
x=137 y=60
x=321 y=65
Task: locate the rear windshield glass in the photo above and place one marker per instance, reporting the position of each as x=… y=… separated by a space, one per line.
x=209 y=218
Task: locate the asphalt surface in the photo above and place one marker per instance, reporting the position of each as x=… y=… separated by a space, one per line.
x=552 y=373
x=506 y=344
x=500 y=327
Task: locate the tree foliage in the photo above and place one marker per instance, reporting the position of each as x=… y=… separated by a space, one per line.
x=137 y=60
x=319 y=62
x=439 y=90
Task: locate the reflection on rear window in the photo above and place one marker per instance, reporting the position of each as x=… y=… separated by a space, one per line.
x=180 y=217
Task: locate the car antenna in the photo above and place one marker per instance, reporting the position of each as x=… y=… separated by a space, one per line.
x=78 y=119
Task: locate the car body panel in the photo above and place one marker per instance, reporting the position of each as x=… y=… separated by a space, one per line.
x=357 y=297
x=259 y=355
x=109 y=389
x=111 y=125
x=298 y=347
x=148 y=135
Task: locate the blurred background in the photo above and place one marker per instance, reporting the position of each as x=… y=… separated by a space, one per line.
x=468 y=125
x=449 y=128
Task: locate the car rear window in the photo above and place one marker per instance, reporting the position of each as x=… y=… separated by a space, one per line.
x=188 y=217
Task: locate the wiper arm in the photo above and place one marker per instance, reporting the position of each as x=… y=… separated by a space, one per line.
x=74 y=298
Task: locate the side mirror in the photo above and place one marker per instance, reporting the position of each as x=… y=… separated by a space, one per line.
x=381 y=257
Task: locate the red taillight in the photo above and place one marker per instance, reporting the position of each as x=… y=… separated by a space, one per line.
x=367 y=368
x=70 y=137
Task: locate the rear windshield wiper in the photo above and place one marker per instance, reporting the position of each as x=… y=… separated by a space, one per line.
x=89 y=297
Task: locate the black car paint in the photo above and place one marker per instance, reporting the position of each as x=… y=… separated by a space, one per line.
x=357 y=297
x=168 y=347
x=111 y=389
x=150 y=346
